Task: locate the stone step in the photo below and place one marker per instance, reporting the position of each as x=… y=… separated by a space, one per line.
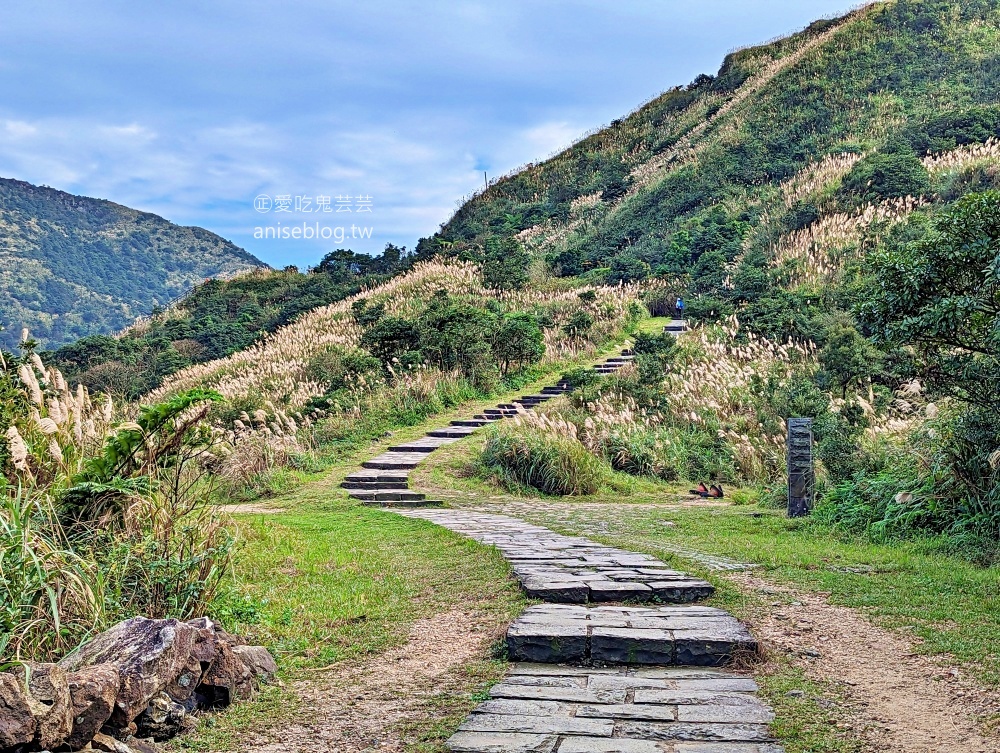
x=388 y=495
x=676 y=635
x=475 y=422
x=540 y=708
x=375 y=476
x=372 y=485
x=500 y=412
x=402 y=503
x=505 y=407
x=628 y=352
x=424 y=444
x=677 y=325
x=452 y=432
x=621 y=359
x=555 y=391
x=491 y=418
x=395 y=461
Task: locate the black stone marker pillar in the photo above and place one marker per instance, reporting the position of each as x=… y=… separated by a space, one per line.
x=800 y=467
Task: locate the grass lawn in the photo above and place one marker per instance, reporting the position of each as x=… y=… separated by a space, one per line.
x=330 y=581
x=950 y=604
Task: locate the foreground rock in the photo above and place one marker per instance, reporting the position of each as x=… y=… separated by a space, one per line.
x=142 y=678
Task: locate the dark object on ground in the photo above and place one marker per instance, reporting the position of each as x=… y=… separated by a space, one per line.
x=701 y=491
x=716 y=491
x=141 y=678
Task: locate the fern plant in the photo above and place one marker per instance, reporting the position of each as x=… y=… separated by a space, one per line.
x=133 y=458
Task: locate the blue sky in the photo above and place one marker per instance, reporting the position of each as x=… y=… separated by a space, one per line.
x=192 y=109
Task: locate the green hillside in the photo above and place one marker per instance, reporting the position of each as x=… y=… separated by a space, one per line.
x=697 y=170
x=830 y=199
x=72 y=266
x=218 y=318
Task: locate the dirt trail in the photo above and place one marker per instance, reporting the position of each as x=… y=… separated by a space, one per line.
x=362 y=706
x=901 y=702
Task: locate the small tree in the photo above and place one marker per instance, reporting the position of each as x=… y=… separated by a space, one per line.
x=390 y=337
x=505 y=264
x=518 y=342
x=579 y=324
x=627 y=267
x=893 y=172
x=847 y=357
x=940 y=296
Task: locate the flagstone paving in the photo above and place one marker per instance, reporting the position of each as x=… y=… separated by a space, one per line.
x=544 y=708
x=571 y=569
x=602 y=666
x=671 y=635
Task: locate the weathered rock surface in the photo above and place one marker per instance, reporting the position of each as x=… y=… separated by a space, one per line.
x=17 y=725
x=142 y=677
x=49 y=701
x=93 y=691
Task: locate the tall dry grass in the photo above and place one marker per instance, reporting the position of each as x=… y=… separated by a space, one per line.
x=817 y=177
x=276 y=369
x=963 y=157
x=815 y=254
x=63 y=577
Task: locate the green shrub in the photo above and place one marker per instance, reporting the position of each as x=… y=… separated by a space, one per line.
x=891 y=173
x=520 y=456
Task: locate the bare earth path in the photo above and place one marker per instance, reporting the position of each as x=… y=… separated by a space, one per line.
x=366 y=705
x=902 y=701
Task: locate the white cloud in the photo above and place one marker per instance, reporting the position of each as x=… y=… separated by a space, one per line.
x=18 y=129
x=548 y=138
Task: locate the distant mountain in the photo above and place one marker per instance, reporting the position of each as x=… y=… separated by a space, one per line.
x=72 y=266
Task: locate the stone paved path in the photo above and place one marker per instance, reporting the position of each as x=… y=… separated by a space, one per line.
x=663 y=699
x=543 y=708
x=384 y=480
x=571 y=569
x=600 y=519
x=683 y=635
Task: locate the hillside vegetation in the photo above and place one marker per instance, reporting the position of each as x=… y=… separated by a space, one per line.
x=72 y=266
x=216 y=319
x=827 y=205
x=105 y=502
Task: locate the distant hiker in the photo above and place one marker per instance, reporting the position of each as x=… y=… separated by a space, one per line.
x=679 y=309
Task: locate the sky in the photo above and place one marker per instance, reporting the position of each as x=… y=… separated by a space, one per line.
x=322 y=115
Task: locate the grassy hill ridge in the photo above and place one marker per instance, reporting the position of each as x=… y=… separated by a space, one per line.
x=698 y=169
x=72 y=266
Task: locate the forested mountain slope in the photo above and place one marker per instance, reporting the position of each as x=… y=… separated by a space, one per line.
x=827 y=204
x=72 y=266
x=691 y=183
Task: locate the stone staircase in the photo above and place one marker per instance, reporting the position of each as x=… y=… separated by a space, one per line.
x=676 y=326
x=617 y=657
x=384 y=480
